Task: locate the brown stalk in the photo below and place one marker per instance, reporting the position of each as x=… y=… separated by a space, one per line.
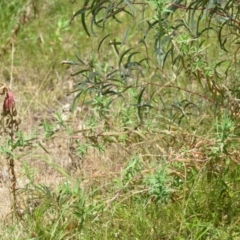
x=10 y=125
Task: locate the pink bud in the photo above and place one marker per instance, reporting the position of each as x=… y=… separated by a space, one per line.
x=8 y=104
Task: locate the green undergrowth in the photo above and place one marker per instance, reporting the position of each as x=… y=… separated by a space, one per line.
x=178 y=193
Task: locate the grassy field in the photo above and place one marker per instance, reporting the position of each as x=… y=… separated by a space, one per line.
x=152 y=154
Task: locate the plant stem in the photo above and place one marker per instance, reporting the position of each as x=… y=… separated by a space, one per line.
x=12 y=171
x=13 y=184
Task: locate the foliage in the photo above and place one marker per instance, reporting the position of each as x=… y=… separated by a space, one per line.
x=167 y=63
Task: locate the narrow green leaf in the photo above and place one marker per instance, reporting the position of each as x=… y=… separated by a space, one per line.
x=130 y=6
x=80 y=60
x=81 y=11
x=75 y=101
x=92 y=24
x=101 y=42
x=108 y=10
x=145 y=45
x=131 y=55
x=124 y=36
x=126 y=11
x=80 y=72
x=122 y=56
x=221 y=41
x=84 y=24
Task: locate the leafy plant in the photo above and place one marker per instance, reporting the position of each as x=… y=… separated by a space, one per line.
x=160 y=185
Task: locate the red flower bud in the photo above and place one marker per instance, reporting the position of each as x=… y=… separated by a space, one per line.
x=8 y=104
